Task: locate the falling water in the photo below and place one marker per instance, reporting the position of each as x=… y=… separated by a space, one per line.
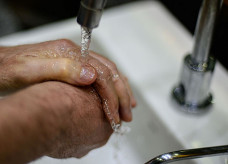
x=85 y=41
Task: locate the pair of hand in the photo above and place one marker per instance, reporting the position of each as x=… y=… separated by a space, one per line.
x=60 y=60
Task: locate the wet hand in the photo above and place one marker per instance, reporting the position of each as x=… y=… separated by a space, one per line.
x=85 y=125
x=51 y=118
x=114 y=89
x=24 y=65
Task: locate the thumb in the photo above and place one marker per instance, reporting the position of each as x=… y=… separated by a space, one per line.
x=61 y=69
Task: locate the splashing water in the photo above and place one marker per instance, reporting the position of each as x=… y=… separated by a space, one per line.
x=85 y=41
x=118 y=140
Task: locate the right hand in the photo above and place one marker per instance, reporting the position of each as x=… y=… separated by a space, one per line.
x=51 y=118
x=87 y=127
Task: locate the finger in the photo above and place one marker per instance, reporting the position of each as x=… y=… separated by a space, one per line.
x=106 y=90
x=132 y=97
x=122 y=88
x=124 y=100
x=33 y=70
x=109 y=99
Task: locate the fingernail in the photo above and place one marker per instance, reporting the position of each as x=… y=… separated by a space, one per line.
x=87 y=74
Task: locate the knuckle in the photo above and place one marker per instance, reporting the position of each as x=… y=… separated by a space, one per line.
x=67 y=49
x=65 y=42
x=63 y=45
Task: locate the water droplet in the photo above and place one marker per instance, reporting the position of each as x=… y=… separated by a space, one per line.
x=62 y=49
x=115 y=77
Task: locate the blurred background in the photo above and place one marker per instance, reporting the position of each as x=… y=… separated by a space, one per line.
x=25 y=14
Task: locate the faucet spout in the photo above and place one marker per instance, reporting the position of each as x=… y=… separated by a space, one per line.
x=90 y=13
x=205 y=30
x=189 y=154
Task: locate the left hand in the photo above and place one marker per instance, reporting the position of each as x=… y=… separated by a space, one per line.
x=24 y=65
x=119 y=83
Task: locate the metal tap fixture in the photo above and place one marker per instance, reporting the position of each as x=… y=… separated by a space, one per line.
x=193 y=90
x=189 y=154
x=90 y=13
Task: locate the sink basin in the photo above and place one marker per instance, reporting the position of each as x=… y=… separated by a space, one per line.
x=148 y=44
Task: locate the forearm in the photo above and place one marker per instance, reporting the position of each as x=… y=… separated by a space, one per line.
x=26 y=133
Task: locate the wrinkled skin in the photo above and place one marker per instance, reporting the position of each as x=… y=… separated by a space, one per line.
x=60 y=60
x=69 y=123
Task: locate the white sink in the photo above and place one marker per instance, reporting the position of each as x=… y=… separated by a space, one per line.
x=148 y=45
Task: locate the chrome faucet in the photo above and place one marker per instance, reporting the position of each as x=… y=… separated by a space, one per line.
x=189 y=154
x=90 y=13
x=193 y=90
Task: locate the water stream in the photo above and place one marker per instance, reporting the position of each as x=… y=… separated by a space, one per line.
x=85 y=43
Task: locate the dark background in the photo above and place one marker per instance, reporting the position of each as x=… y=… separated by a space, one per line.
x=16 y=15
